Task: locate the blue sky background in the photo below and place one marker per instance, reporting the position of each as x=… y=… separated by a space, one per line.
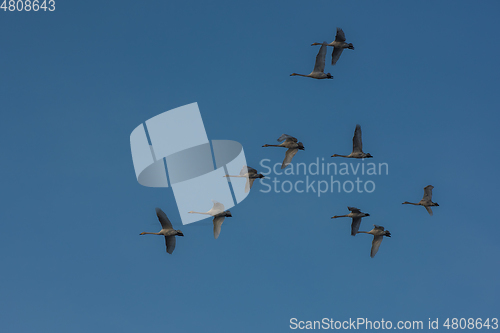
x=422 y=82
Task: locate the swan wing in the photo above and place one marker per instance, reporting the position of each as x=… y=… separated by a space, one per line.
x=357 y=144
x=284 y=137
x=249 y=184
x=428 y=193
x=354 y=209
x=429 y=210
x=251 y=171
x=290 y=153
x=244 y=170
x=217 y=225
x=319 y=66
x=170 y=243
x=377 y=240
x=164 y=221
x=356 y=222
x=337 y=51
x=217 y=208
x=340 y=36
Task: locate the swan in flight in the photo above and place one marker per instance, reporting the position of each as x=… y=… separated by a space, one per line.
x=219 y=215
x=378 y=233
x=319 y=67
x=293 y=147
x=166 y=230
x=356 y=216
x=357 y=146
x=250 y=174
x=339 y=45
x=426 y=200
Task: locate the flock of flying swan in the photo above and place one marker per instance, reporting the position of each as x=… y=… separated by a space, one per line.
x=293 y=146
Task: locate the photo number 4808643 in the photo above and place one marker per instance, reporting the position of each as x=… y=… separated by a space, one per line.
x=28 y=5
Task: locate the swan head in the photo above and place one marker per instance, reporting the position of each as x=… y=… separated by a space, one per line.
x=228 y=213
x=350 y=46
x=142 y=233
x=266 y=145
x=316 y=44
x=260 y=176
x=179 y=233
x=387 y=233
x=368 y=155
x=366 y=214
x=300 y=146
x=329 y=76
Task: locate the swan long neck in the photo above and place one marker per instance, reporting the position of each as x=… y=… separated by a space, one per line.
x=334 y=217
x=150 y=233
x=266 y=145
x=198 y=213
x=337 y=155
x=410 y=203
x=296 y=74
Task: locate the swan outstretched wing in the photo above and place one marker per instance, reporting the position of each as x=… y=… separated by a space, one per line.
x=429 y=210
x=340 y=36
x=357 y=144
x=164 y=221
x=377 y=240
x=217 y=225
x=354 y=209
x=356 y=222
x=337 y=51
x=249 y=170
x=290 y=153
x=319 y=66
x=217 y=208
x=170 y=243
x=284 y=137
x=249 y=184
x=428 y=193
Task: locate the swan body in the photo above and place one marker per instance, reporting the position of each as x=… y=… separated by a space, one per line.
x=288 y=141
x=167 y=231
x=426 y=200
x=356 y=216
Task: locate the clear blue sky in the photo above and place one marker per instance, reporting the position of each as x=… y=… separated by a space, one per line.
x=422 y=82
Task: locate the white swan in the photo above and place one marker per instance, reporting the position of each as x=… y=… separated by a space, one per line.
x=250 y=174
x=219 y=214
x=426 y=200
x=293 y=147
x=378 y=233
x=357 y=146
x=319 y=66
x=167 y=231
x=356 y=216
